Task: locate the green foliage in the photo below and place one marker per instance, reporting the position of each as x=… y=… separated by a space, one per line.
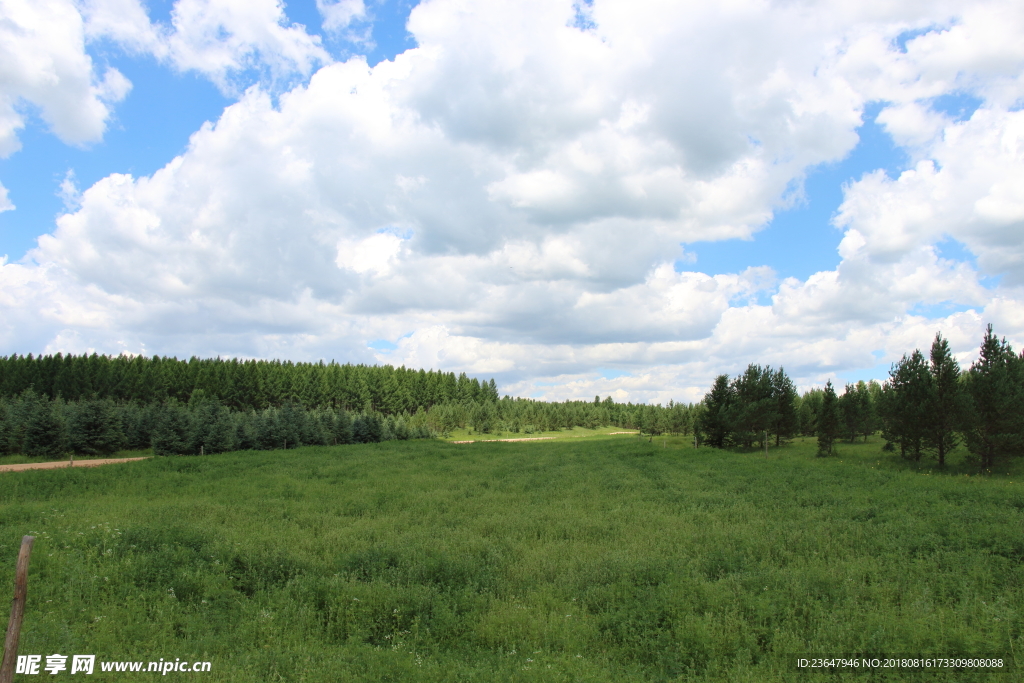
x=600 y=560
x=173 y=434
x=993 y=411
x=759 y=403
x=828 y=422
x=238 y=385
x=905 y=403
x=809 y=408
x=945 y=407
x=714 y=428
x=94 y=428
x=44 y=428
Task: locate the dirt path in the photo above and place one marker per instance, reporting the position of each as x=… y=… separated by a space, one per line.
x=63 y=463
x=529 y=438
x=542 y=438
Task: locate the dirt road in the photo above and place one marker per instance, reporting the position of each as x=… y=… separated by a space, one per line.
x=63 y=463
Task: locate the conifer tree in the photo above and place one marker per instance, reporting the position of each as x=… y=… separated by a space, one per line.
x=752 y=410
x=787 y=422
x=172 y=433
x=5 y=429
x=94 y=428
x=828 y=421
x=943 y=413
x=810 y=408
x=991 y=420
x=904 y=405
x=713 y=425
x=867 y=420
x=213 y=430
x=849 y=413
x=44 y=430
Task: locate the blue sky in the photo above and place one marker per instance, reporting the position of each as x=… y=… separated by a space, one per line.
x=511 y=196
x=151 y=126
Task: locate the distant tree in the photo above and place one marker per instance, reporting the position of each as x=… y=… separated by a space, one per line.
x=992 y=419
x=213 y=429
x=786 y=422
x=94 y=428
x=752 y=410
x=291 y=424
x=867 y=418
x=810 y=407
x=713 y=425
x=137 y=423
x=173 y=431
x=944 y=409
x=849 y=413
x=343 y=428
x=44 y=430
x=904 y=405
x=828 y=421
x=6 y=429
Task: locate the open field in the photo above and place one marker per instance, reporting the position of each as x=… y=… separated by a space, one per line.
x=574 y=433
x=602 y=559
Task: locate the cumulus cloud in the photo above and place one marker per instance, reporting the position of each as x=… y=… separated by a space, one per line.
x=338 y=14
x=43 y=62
x=509 y=197
x=5 y=202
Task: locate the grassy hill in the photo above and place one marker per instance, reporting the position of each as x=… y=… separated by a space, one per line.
x=593 y=559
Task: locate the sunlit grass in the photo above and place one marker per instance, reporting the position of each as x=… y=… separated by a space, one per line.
x=609 y=559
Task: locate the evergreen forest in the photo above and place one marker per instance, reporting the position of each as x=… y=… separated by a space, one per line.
x=97 y=405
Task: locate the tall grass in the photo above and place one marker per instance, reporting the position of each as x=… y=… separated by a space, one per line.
x=606 y=559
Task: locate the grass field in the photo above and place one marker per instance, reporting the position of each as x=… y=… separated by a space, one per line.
x=601 y=559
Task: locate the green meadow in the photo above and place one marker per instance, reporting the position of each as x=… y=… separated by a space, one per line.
x=608 y=558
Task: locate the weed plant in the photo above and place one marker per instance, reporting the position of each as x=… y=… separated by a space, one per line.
x=603 y=559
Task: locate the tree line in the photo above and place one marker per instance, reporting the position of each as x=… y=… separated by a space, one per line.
x=931 y=406
x=93 y=404
x=50 y=428
x=527 y=416
x=238 y=384
x=927 y=406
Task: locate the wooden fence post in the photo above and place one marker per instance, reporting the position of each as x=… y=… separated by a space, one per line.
x=17 y=611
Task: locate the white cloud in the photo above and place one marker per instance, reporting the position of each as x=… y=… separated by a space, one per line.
x=5 y=202
x=338 y=14
x=222 y=37
x=509 y=197
x=43 y=62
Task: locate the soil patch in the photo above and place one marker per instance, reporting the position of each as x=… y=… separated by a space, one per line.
x=63 y=463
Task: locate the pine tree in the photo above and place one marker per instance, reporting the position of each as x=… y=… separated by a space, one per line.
x=213 y=430
x=867 y=419
x=342 y=428
x=712 y=424
x=904 y=405
x=173 y=430
x=752 y=411
x=828 y=422
x=787 y=422
x=95 y=428
x=44 y=430
x=943 y=413
x=991 y=420
x=810 y=408
x=849 y=413
x=6 y=429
